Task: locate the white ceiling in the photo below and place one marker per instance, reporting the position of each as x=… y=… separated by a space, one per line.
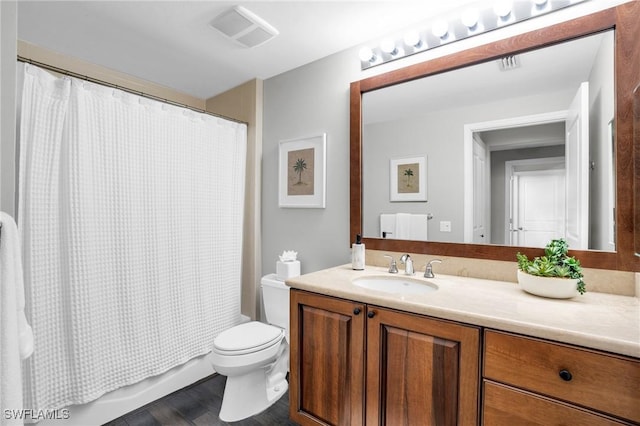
x=171 y=42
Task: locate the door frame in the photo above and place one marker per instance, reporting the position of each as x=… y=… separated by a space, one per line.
x=510 y=169
x=482 y=126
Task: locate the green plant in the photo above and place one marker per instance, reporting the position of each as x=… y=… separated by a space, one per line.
x=554 y=263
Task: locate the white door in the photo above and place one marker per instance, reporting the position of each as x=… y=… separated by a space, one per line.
x=481 y=195
x=577 y=168
x=538 y=205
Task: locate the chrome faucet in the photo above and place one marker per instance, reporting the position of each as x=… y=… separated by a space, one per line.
x=408 y=264
x=428 y=272
x=393 y=268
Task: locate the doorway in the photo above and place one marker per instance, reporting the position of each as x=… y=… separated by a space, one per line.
x=495 y=205
x=535 y=206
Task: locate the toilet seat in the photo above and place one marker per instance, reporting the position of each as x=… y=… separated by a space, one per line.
x=247 y=338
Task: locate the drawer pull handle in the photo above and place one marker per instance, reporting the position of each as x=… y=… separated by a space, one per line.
x=565 y=375
x=356 y=311
x=371 y=314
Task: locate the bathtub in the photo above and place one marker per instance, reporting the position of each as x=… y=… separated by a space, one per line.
x=126 y=399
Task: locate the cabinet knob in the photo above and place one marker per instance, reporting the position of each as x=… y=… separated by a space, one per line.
x=371 y=314
x=565 y=375
x=356 y=311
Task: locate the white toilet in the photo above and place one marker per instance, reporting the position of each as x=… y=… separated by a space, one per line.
x=255 y=356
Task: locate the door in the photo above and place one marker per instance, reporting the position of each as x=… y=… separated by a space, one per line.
x=481 y=200
x=577 y=167
x=327 y=360
x=420 y=371
x=538 y=206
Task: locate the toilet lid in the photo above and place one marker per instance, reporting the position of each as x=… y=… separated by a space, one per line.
x=248 y=337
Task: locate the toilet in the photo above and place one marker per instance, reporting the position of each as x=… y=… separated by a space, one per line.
x=255 y=356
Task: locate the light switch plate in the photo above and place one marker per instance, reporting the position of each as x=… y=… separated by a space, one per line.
x=445 y=226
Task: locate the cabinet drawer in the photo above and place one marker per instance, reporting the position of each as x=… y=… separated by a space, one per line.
x=503 y=405
x=592 y=379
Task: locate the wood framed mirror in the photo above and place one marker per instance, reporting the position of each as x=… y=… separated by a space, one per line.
x=623 y=20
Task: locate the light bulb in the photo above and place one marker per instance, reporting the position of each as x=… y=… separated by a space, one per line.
x=502 y=8
x=440 y=28
x=388 y=46
x=412 y=38
x=366 y=54
x=470 y=18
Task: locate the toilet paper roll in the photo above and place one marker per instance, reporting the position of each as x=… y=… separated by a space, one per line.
x=285 y=270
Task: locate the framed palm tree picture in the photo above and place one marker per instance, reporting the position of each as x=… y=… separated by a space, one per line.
x=408 y=179
x=302 y=172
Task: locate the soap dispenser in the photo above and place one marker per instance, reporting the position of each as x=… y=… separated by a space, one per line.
x=357 y=254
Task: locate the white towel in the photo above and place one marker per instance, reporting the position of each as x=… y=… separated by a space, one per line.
x=419 y=227
x=16 y=336
x=403 y=226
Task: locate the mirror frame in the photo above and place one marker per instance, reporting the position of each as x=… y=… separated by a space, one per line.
x=623 y=19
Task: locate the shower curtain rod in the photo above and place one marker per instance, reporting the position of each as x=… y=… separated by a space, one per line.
x=115 y=86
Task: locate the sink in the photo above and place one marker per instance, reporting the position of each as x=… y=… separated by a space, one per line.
x=396 y=285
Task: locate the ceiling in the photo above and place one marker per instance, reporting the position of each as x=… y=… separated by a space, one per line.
x=171 y=43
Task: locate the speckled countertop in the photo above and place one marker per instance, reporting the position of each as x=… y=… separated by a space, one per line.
x=593 y=320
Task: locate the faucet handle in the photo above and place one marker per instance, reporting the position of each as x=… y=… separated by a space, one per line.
x=428 y=271
x=393 y=267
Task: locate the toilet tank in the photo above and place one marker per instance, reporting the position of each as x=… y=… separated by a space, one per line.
x=275 y=299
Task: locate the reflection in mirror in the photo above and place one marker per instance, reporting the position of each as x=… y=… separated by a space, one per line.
x=517 y=151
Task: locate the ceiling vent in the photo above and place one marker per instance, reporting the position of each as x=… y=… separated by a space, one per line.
x=244 y=27
x=509 y=63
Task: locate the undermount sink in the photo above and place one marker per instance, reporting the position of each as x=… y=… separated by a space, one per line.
x=396 y=285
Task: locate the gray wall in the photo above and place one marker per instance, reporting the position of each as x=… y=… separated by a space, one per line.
x=305 y=102
x=8 y=47
x=601 y=110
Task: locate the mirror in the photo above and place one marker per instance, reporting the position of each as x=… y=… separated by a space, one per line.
x=369 y=199
x=493 y=137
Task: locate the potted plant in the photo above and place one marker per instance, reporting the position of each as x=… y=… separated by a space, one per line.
x=553 y=275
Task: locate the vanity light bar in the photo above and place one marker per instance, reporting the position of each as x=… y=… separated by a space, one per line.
x=473 y=20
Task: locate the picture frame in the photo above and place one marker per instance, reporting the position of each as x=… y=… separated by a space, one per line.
x=302 y=172
x=408 y=179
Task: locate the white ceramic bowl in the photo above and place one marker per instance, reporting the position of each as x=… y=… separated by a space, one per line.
x=556 y=288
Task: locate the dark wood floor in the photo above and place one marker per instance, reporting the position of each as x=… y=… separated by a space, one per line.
x=199 y=404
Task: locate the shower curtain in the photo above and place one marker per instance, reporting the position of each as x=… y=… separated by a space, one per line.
x=130 y=214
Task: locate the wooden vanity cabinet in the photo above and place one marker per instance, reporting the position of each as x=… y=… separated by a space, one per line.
x=536 y=382
x=327 y=360
x=420 y=370
x=415 y=369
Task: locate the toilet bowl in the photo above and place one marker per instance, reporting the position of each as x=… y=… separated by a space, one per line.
x=255 y=357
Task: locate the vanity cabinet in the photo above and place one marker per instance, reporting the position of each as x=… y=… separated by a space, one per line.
x=355 y=364
x=536 y=382
x=420 y=370
x=327 y=360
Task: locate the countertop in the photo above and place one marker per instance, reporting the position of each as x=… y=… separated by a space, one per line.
x=594 y=320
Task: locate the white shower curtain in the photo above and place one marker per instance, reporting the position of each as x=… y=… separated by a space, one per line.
x=130 y=212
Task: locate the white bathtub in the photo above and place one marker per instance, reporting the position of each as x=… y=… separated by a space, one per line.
x=121 y=401
x=126 y=399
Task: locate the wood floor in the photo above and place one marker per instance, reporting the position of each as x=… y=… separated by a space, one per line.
x=199 y=404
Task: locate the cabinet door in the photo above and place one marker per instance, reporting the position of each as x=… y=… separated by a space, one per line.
x=327 y=360
x=420 y=371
